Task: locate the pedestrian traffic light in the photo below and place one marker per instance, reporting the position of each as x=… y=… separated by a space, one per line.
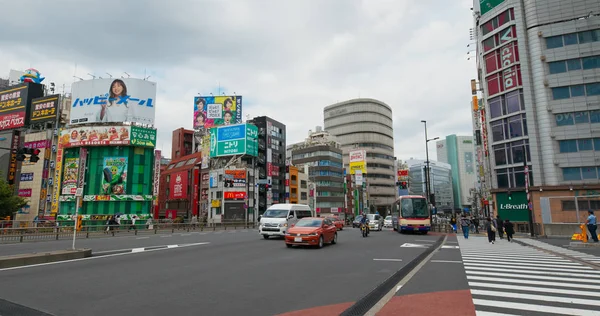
x=509 y=194
x=404 y=185
x=267 y=186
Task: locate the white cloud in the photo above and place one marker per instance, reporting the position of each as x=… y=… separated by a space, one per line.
x=289 y=59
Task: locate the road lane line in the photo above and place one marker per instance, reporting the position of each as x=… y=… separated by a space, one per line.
x=172 y=246
x=142 y=238
x=166 y=236
x=138 y=249
x=97 y=257
x=536 y=308
x=387 y=259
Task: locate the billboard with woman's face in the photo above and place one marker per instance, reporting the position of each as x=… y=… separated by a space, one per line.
x=113 y=100
x=210 y=111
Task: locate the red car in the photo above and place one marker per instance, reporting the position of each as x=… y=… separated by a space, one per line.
x=339 y=224
x=311 y=231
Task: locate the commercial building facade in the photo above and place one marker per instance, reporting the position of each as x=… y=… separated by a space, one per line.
x=181 y=143
x=440 y=175
x=459 y=153
x=270 y=161
x=322 y=156
x=366 y=124
x=538 y=65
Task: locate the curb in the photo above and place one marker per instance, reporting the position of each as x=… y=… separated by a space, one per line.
x=362 y=306
x=38 y=258
x=574 y=259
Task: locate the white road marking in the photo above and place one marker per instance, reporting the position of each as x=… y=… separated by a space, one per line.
x=138 y=249
x=449 y=247
x=398 y=288
x=536 y=308
x=166 y=236
x=569 y=300
x=97 y=257
x=409 y=245
x=387 y=259
x=172 y=246
x=142 y=238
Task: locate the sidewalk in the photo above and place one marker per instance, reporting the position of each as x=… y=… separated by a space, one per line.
x=573 y=253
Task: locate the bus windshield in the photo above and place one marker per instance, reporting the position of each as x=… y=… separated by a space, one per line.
x=415 y=208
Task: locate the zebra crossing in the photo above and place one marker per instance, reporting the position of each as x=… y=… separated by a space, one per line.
x=573 y=253
x=511 y=279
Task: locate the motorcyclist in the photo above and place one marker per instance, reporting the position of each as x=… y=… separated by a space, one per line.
x=365 y=221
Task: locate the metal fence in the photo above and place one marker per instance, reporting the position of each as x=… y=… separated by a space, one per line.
x=97 y=229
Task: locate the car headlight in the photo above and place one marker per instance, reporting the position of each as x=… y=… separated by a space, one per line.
x=313 y=234
x=283 y=225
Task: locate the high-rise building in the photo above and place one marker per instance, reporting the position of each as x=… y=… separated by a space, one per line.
x=322 y=156
x=440 y=175
x=458 y=152
x=538 y=65
x=182 y=143
x=270 y=161
x=366 y=124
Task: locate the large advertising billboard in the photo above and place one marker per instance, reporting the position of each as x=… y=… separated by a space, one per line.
x=114 y=180
x=241 y=139
x=358 y=161
x=113 y=100
x=69 y=181
x=14 y=103
x=44 y=109
x=179 y=185
x=108 y=136
x=211 y=111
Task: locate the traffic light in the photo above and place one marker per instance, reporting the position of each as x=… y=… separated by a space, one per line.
x=509 y=195
x=33 y=154
x=267 y=186
x=404 y=185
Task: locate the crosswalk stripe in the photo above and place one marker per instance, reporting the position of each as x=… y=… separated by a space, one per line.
x=529 y=255
x=537 y=308
x=506 y=259
x=526 y=264
x=524 y=276
x=570 y=269
x=533 y=289
x=570 y=300
x=484 y=313
x=583 y=274
x=532 y=282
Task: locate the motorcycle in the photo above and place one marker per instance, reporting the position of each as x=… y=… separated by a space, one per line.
x=364 y=230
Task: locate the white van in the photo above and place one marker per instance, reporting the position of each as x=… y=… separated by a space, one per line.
x=277 y=218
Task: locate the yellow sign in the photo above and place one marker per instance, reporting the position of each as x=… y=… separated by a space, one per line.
x=57 y=179
x=358 y=165
x=215 y=203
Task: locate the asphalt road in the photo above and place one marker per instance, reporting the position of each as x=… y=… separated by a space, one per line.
x=234 y=273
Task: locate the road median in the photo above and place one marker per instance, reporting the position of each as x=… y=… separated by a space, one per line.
x=42 y=257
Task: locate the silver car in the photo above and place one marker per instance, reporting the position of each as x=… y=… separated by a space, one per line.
x=387 y=223
x=375 y=221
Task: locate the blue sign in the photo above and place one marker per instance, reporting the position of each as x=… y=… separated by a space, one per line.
x=27 y=176
x=232 y=132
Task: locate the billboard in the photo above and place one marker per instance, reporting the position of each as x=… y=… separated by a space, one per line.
x=179 y=184
x=156 y=180
x=211 y=111
x=114 y=178
x=113 y=100
x=14 y=103
x=487 y=5
x=70 y=171
x=241 y=139
x=57 y=180
x=108 y=136
x=14 y=147
x=44 y=109
x=358 y=161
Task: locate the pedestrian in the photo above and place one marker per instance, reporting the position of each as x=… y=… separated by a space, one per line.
x=476 y=224
x=465 y=223
x=132 y=226
x=491 y=227
x=509 y=228
x=592 y=225
x=500 y=227
x=453 y=223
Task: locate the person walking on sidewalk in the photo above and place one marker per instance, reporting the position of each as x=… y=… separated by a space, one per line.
x=500 y=227
x=491 y=227
x=509 y=228
x=465 y=223
x=453 y=224
x=592 y=225
x=476 y=224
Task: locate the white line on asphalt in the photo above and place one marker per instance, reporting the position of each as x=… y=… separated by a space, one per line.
x=202 y=233
x=569 y=300
x=172 y=246
x=189 y=234
x=398 y=288
x=166 y=236
x=452 y=242
x=387 y=259
x=535 y=277
x=446 y=261
x=533 y=289
x=98 y=257
x=449 y=247
x=138 y=249
x=536 y=308
x=533 y=282
x=425 y=240
x=484 y=313
x=142 y=237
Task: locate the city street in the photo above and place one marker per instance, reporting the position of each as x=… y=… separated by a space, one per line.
x=224 y=273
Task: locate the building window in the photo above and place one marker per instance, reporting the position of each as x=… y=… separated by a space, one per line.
x=571 y=174
x=570 y=39
x=495 y=105
x=573 y=39
x=557 y=67
x=567 y=146
x=592 y=88
x=554 y=42
x=577 y=91
x=574 y=64
x=497 y=131
x=502 y=178
x=591 y=62
x=589 y=173
x=515 y=127
x=560 y=93
x=582 y=117
x=500 y=155
x=585 y=144
x=566 y=92
x=303 y=196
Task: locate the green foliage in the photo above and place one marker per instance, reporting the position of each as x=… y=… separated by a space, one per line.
x=9 y=201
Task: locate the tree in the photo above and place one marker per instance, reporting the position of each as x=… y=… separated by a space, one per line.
x=9 y=202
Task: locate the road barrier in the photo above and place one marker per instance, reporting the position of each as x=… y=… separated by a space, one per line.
x=99 y=229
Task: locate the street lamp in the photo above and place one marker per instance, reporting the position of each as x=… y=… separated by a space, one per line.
x=427 y=172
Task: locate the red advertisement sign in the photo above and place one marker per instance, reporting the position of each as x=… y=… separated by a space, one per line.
x=234 y=195
x=171 y=214
x=12 y=120
x=195 y=204
x=403 y=173
x=14 y=147
x=178 y=183
x=25 y=192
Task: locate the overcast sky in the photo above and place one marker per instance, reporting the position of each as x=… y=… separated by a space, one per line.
x=288 y=59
